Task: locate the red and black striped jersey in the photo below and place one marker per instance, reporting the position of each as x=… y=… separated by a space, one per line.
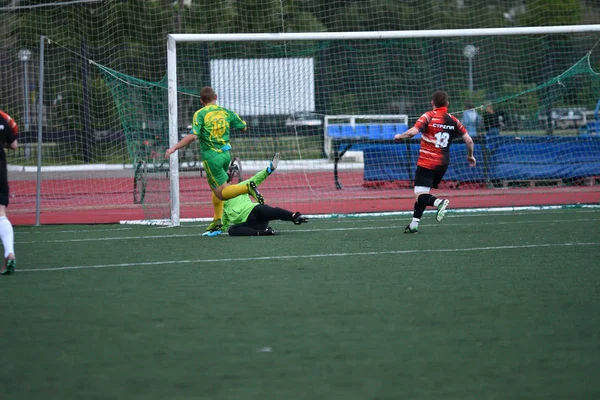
x=438 y=129
x=9 y=130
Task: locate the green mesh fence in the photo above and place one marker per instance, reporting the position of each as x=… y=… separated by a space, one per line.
x=104 y=101
x=540 y=87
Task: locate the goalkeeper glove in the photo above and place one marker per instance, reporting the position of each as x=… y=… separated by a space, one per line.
x=274 y=163
x=298 y=218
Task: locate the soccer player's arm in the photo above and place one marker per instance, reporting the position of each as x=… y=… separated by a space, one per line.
x=406 y=135
x=13 y=144
x=469 y=142
x=187 y=139
x=420 y=126
x=238 y=122
x=13 y=131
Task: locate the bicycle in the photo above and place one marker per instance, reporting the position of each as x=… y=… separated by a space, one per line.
x=189 y=161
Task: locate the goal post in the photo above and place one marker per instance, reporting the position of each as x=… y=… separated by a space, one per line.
x=173 y=129
x=520 y=86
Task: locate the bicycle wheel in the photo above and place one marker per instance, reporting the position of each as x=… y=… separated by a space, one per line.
x=188 y=158
x=159 y=160
x=194 y=159
x=140 y=178
x=235 y=169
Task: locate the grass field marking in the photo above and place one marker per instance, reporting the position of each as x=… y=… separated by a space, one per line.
x=462 y=211
x=309 y=230
x=433 y=224
x=112 y=238
x=532 y=212
x=323 y=255
x=341 y=229
x=450 y=216
x=340 y=220
x=391 y=213
x=37 y=232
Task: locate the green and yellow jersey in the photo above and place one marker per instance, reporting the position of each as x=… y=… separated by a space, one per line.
x=237 y=209
x=211 y=125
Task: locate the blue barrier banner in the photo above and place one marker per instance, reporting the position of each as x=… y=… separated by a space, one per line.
x=544 y=157
x=498 y=158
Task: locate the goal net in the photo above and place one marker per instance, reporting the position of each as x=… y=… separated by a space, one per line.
x=93 y=101
x=331 y=104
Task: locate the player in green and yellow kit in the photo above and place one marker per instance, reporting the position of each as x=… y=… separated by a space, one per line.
x=211 y=125
x=243 y=217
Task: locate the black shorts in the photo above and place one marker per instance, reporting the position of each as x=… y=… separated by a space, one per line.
x=428 y=177
x=259 y=217
x=4 y=195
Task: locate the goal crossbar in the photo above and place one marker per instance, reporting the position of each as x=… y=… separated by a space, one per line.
x=274 y=37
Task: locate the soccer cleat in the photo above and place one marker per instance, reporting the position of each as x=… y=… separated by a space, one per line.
x=298 y=218
x=253 y=191
x=9 y=266
x=216 y=232
x=274 y=162
x=408 y=229
x=215 y=225
x=267 y=232
x=441 y=211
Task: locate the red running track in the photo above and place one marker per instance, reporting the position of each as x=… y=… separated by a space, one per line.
x=110 y=200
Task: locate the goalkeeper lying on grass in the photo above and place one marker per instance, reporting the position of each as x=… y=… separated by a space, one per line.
x=243 y=217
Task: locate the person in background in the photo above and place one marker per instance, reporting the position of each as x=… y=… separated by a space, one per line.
x=492 y=121
x=471 y=119
x=9 y=131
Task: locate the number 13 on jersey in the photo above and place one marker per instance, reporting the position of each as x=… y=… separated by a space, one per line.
x=442 y=139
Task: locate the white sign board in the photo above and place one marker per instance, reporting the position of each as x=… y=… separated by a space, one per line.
x=264 y=86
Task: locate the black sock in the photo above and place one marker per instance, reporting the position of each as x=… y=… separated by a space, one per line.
x=419 y=208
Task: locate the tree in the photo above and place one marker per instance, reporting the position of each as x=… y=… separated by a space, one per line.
x=553 y=12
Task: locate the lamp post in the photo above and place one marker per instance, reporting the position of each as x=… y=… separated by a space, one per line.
x=469 y=51
x=25 y=56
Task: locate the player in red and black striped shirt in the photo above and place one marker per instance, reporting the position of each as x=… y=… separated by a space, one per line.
x=438 y=129
x=8 y=139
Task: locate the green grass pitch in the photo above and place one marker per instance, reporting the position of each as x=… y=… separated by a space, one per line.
x=486 y=306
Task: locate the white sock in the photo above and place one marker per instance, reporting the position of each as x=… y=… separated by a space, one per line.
x=437 y=202
x=7 y=236
x=414 y=223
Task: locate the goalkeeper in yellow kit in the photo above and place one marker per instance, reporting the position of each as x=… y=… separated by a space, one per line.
x=243 y=217
x=211 y=125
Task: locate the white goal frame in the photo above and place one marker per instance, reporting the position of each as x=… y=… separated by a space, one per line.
x=173 y=39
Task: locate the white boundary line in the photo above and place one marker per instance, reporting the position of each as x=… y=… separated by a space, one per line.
x=352 y=228
x=293 y=257
x=385 y=214
x=78 y=231
x=31 y=230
